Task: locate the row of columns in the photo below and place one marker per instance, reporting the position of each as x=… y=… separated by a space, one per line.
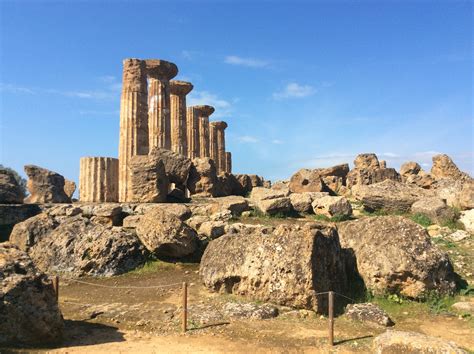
x=154 y=114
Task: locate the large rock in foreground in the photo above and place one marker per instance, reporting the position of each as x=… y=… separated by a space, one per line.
x=389 y=195
x=45 y=186
x=203 y=178
x=148 y=180
x=270 y=201
x=444 y=167
x=29 y=313
x=176 y=166
x=10 y=190
x=78 y=246
x=412 y=342
x=286 y=266
x=165 y=234
x=395 y=255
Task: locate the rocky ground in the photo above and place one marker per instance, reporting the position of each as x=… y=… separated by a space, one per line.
x=100 y=319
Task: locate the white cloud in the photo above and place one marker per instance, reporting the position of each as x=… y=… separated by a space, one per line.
x=16 y=89
x=389 y=154
x=295 y=90
x=248 y=62
x=247 y=139
x=223 y=107
x=277 y=141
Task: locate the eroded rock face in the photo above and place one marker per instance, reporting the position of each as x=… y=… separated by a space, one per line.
x=332 y=206
x=444 y=167
x=467 y=219
x=165 y=235
x=176 y=166
x=306 y=180
x=389 y=195
x=367 y=170
x=77 y=246
x=368 y=313
x=368 y=160
x=435 y=208
x=395 y=255
x=45 y=186
x=203 y=178
x=10 y=190
x=412 y=342
x=410 y=168
x=287 y=265
x=148 y=180
x=301 y=202
x=69 y=188
x=271 y=201
x=29 y=313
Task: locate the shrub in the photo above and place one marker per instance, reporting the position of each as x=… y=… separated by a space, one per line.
x=421 y=219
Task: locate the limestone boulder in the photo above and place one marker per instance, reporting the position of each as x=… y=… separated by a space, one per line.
x=467 y=219
x=370 y=176
x=301 y=202
x=165 y=235
x=10 y=190
x=422 y=179
x=444 y=167
x=80 y=247
x=228 y=185
x=69 y=188
x=466 y=196
x=183 y=212
x=412 y=342
x=332 y=206
x=270 y=201
x=367 y=161
x=281 y=184
x=11 y=214
x=29 y=313
x=368 y=313
x=287 y=265
x=235 y=204
x=389 y=195
x=256 y=181
x=434 y=208
x=245 y=183
x=203 y=178
x=394 y=255
x=249 y=310
x=176 y=165
x=149 y=182
x=306 y=180
x=45 y=186
x=29 y=232
x=457 y=193
x=410 y=168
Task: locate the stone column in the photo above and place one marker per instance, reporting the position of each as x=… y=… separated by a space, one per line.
x=159 y=72
x=228 y=162
x=213 y=146
x=98 y=179
x=221 y=154
x=193 y=118
x=133 y=119
x=205 y=112
x=178 y=92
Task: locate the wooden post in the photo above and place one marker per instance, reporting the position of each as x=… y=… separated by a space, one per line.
x=331 y=317
x=185 y=306
x=55 y=281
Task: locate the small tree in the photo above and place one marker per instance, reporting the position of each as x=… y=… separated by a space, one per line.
x=20 y=180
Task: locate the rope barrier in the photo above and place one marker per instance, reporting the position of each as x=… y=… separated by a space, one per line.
x=348 y=298
x=125 y=287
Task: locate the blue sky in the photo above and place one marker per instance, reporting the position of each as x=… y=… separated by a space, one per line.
x=301 y=84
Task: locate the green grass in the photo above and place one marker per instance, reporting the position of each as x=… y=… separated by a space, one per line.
x=335 y=218
x=152 y=266
x=421 y=219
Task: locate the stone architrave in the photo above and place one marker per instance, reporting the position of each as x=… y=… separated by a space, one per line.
x=133 y=119
x=98 y=179
x=178 y=92
x=159 y=73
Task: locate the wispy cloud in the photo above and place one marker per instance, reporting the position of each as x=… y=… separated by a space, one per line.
x=248 y=62
x=223 y=107
x=277 y=141
x=295 y=90
x=11 y=88
x=247 y=139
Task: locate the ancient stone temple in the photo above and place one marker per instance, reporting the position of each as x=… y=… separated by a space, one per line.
x=133 y=118
x=153 y=114
x=159 y=73
x=98 y=179
x=178 y=92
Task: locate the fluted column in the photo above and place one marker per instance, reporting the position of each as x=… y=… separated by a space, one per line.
x=195 y=127
x=98 y=179
x=178 y=92
x=205 y=112
x=228 y=162
x=159 y=72
x=133 y=119
x=213 y=147
x=221 y=154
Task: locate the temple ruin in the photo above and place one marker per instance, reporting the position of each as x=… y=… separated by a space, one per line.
x=153 y=113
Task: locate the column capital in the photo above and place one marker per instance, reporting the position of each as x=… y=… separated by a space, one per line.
x=180 y=88
x=205 y=110
x=221 y=125
x=161 y=69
